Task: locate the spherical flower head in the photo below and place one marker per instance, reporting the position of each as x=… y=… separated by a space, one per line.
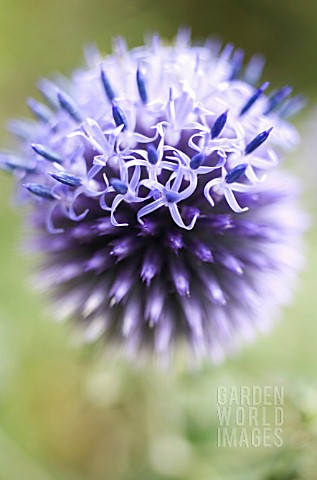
x=158 y=197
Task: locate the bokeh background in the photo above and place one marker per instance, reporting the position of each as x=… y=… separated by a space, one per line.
x=68 y=413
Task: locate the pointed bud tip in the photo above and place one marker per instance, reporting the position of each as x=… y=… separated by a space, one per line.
x=219 y=124
x=118 y=116
x=40 y=191
x=197 y=160
x=257 y=141
x=236 y=173
x=141 y=85
x=66 y=178
x=119 y=186
x=106 y=84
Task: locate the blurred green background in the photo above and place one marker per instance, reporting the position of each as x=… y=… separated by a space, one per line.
x=67 y=413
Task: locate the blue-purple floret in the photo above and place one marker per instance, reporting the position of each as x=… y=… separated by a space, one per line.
x=158 y=198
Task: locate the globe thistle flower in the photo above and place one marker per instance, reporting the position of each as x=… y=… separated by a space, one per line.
x=158 y=198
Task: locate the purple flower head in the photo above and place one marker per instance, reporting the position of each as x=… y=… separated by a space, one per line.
x=158 y=197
